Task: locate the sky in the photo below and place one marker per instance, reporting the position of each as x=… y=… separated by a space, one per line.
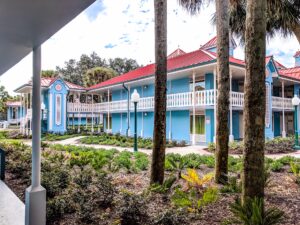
x=122 y=28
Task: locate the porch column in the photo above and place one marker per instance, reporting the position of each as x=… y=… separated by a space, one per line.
x=215 y=104
x=30 y=105
x=26 y=111
x=86 y=124
x=170 y=130
x=92 y=113
x=108 y=112
x=194 y=112
x=283 y=113
x=231 y=137
x=35 y=197
x=79 y=114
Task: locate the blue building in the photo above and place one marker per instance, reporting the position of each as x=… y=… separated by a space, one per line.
x=191 y=99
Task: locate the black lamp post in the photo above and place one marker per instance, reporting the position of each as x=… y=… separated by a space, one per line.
x=135 y=97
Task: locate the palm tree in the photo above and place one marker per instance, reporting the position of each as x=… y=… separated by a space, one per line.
x=222 y=131
x=283 y=16
x=159 y=136
x=254 y=101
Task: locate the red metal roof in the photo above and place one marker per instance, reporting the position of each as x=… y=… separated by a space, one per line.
x=211 y=43
x=293 y=73
x=176 y=53
x=13 y=103
x=46 y=82
x=231 y=59
x=181 y=61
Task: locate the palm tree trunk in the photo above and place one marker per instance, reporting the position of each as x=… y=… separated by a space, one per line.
x=159 y=136
x=296 y=31
x=222 y=132
x=255 y=101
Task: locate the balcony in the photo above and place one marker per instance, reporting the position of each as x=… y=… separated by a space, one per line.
x=180 y=101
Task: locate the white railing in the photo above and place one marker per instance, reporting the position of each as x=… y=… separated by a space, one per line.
x=279 y=103
x=13 y=121
x=183 y=100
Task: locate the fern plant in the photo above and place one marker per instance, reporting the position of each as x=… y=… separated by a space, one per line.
x=253 y=213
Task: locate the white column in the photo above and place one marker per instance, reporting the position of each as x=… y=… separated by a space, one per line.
x=215 y=105
x=231 y=137
x=79 y=115
x=170 y=121
x=86 y=124
x=108 y=112
x=35 y=198
x=92 y=113
x=26 y=111
x=30 y=105
x=283 y=113
x=194 y=111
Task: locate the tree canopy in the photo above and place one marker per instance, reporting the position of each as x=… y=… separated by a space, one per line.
x=98 y=74
x=74 y=71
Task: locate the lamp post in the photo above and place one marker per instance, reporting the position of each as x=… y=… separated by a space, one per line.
x=295 y=103
x=135 y=97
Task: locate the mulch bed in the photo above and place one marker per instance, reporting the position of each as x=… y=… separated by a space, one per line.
x=281 y=192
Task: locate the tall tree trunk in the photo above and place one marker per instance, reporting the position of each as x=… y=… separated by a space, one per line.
x=296 y=31
x=222 y=132
x=159 y=136
x=255 y=100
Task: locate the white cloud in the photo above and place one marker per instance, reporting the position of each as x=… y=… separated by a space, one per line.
x=129 y=27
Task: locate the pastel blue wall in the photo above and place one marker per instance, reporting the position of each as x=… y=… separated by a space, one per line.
x=269 y=134
x=209 y=125
x=58 y=128
x=235 y=125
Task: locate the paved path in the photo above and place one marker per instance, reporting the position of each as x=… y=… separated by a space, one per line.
x=12 y=210
x=198 y=149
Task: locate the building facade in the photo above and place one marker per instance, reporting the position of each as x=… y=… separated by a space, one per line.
x=191 y=99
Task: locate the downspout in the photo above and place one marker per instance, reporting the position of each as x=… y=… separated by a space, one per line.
x=128 y=112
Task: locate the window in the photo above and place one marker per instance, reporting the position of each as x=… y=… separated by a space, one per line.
x=58 y=110
x=200 y=124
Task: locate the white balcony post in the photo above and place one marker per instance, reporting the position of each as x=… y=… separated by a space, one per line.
x=194 y=111
x=86 y=124
x=73 y=119
x=79 y=114
x=108 y=112
x=215 y=104
x=35 y=197
x=26 y=111
x=30 y=105
x=170 y=130
x=231 y=137
x=92 y=113
x=283 y=113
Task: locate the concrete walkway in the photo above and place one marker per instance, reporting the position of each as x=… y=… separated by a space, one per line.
x=198 y=149
x=12 y=210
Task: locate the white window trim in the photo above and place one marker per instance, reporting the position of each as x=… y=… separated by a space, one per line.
x=58 y=109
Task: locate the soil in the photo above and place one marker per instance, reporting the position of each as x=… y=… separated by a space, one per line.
x=281 y=192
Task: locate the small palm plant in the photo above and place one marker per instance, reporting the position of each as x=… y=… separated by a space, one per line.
x=252 y=213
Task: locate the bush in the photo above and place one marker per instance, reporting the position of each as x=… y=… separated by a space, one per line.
x=276 y=166
x=171 y=217
x=132 y=210
x=105 y=191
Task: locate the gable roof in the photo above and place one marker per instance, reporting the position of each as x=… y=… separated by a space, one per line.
x=176 y=53
x=212 y=43
x=174 y=63
x=47 y=82
x=277 y=64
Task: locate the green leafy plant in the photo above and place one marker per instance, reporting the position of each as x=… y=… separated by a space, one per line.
x=276 y=166
x=165 y=187
x=253 y=213
x=295 y=168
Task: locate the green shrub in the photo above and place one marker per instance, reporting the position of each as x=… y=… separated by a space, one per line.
x=133 y=210
x=233 y=186
x=170 y=217
x=295 y=168
x=252 y=213
x=276 y=166
x=165 y=187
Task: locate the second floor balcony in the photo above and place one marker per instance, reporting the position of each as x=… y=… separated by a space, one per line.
x=180 y=101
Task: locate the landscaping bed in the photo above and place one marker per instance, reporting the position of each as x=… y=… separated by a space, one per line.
x=277 y=145
x=59 y=137
x=89 y=186
x=123 y=141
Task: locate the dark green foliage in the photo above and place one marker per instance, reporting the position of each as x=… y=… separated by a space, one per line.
x=233 y=185
x=251 y=213
x=83 y=178
x=165 y=187
x=171 y=217
x=56 y=207
x=105 y=191
x=133 y=210
x=58 y=137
